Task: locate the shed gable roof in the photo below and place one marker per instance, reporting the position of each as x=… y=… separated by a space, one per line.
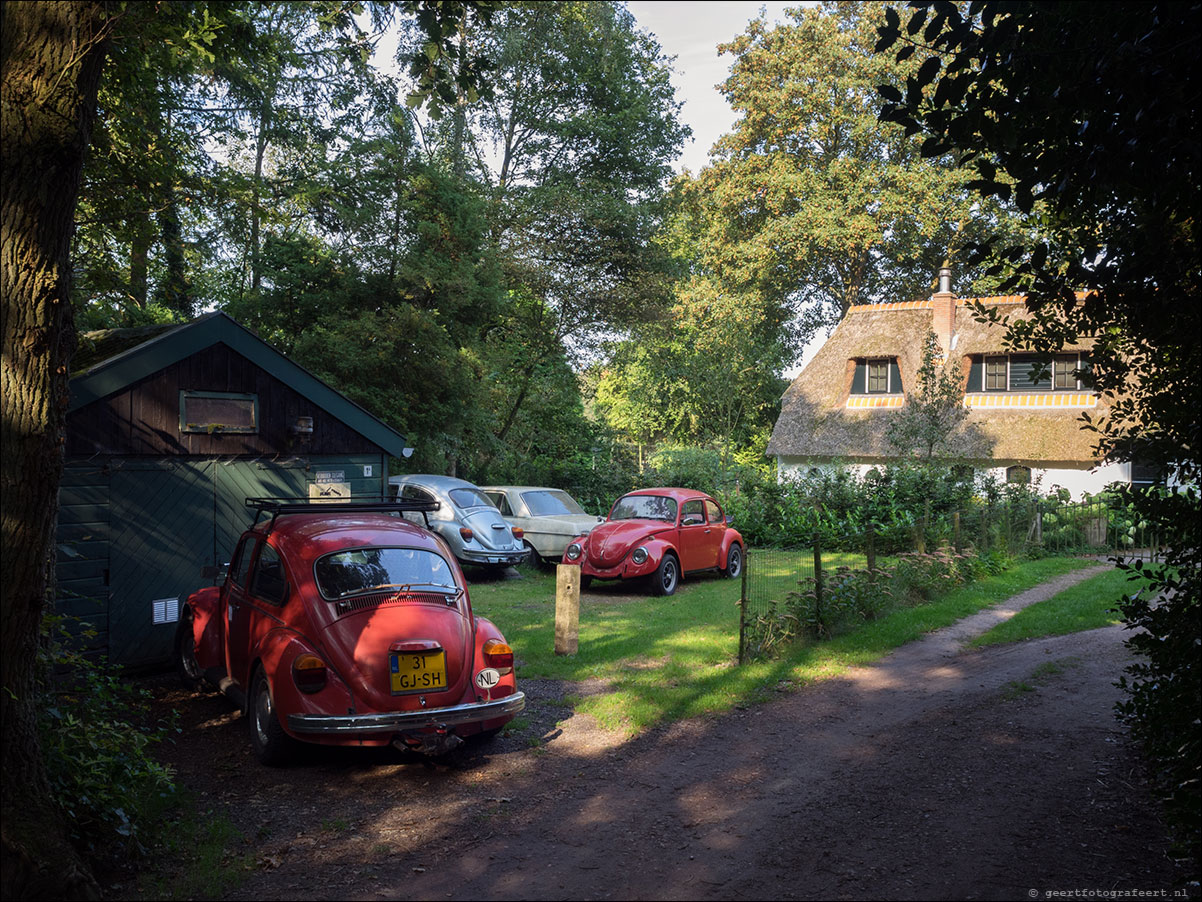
x=815 y=421
x=117 y=358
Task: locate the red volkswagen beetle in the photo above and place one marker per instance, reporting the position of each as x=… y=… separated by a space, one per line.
x=347 y=625
x=661 y=534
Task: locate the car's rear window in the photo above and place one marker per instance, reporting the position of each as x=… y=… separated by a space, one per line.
x=468 y=498
x=551 y=504
x=644 y=507
x=358 y=570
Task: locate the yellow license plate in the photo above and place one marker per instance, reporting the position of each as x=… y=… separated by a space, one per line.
x=418 y=671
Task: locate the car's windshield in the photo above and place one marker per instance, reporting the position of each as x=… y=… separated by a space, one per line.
x=365 y=569
x=469 y=498
x=644 y=507
x=551 y=504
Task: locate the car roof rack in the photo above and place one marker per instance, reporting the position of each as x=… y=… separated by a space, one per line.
x=353 y=504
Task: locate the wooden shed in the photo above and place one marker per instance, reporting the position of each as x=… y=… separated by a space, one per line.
x=169 y=431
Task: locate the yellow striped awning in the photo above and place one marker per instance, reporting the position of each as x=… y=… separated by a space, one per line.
x=1033 y=401
x=875 y=402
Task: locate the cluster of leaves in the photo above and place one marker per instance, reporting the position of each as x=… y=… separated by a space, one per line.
x=444 y=274
x=1089 y=123
x=98 y=735
x=840 y=508
x=933 y=409
x=1163 y=685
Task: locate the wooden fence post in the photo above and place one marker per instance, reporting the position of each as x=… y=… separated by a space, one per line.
x=567 y=609
x=817 y=582
x=743 y=606
x=956 y=531
x=871 y=550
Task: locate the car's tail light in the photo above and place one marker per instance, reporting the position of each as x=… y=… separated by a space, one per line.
x=499 y=656
x=518 y=532
x=309 y=673
x=466 y=533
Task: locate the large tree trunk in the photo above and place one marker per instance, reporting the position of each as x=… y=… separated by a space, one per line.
x=50 y=60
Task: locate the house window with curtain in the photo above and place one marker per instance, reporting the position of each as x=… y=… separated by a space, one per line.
x=1028 y=373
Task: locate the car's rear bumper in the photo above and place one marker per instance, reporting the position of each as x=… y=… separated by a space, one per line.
x=349 y=724
x=508 y=558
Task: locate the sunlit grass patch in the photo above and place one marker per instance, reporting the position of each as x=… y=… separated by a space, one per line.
x=1085 y=606
x=665 y=659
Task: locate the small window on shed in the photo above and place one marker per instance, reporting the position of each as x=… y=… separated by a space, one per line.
x=212 y=411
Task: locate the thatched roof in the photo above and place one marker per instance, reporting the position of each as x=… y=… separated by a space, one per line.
x=816 y=423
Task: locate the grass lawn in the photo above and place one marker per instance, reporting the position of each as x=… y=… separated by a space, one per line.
x=666 y=659
x=1085 y=606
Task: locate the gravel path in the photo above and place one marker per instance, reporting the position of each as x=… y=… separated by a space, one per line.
x=937 y=773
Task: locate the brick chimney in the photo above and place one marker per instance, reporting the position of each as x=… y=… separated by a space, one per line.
x=943 y=319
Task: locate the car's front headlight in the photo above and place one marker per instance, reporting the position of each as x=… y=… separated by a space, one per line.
x=639 y=555
x=573 y=551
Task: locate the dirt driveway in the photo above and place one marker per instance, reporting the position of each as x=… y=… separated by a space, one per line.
x=938 y=773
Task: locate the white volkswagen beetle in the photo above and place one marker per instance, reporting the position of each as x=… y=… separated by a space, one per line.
x=549 y=518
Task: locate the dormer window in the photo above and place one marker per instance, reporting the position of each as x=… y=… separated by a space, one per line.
x=1028 y=373
x=877 y=376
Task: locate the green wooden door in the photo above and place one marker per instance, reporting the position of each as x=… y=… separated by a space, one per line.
x=238 y=480
x=162 y=535
x=172 y=518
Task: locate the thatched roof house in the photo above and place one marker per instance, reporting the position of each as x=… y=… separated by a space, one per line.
x=1024 y=420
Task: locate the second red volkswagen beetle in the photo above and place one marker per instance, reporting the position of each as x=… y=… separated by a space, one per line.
x=660 y=533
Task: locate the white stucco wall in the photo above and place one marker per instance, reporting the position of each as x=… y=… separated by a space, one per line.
x=1079 y=482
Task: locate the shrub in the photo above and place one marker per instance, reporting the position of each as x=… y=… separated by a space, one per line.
x=96 y=741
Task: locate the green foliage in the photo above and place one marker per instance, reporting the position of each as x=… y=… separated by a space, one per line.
x=97 y=739
x=820 y=205
x=849 y=596
x=1088 y=605
x=443 y=67
x=1089 y=122
x=934 y=408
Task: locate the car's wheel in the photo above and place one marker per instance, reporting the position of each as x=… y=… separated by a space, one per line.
x=666 y=576
x=734 y=562
x=533 y=561
x=272 y=745
x=186 y=664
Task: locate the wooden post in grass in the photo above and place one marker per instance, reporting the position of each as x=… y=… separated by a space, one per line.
x=567 y=609
x=870 y=542
x=743 y=609
x=817 y=584
x=956 y=531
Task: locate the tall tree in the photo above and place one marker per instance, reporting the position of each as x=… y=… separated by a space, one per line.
x=51 y=57
x=821 y=205
x=1090 y=114
x=574 y=148
x=51 y=54
x=706 y=370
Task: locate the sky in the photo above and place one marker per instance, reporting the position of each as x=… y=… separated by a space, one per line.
x=691 y=32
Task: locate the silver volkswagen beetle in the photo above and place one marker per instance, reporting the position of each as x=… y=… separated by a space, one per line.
x=550 y=518
x=467 y=520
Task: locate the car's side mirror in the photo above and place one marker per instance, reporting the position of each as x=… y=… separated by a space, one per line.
x=730 y=519
x=214 y=572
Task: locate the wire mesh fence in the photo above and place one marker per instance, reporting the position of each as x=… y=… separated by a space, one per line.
x=841 y=579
